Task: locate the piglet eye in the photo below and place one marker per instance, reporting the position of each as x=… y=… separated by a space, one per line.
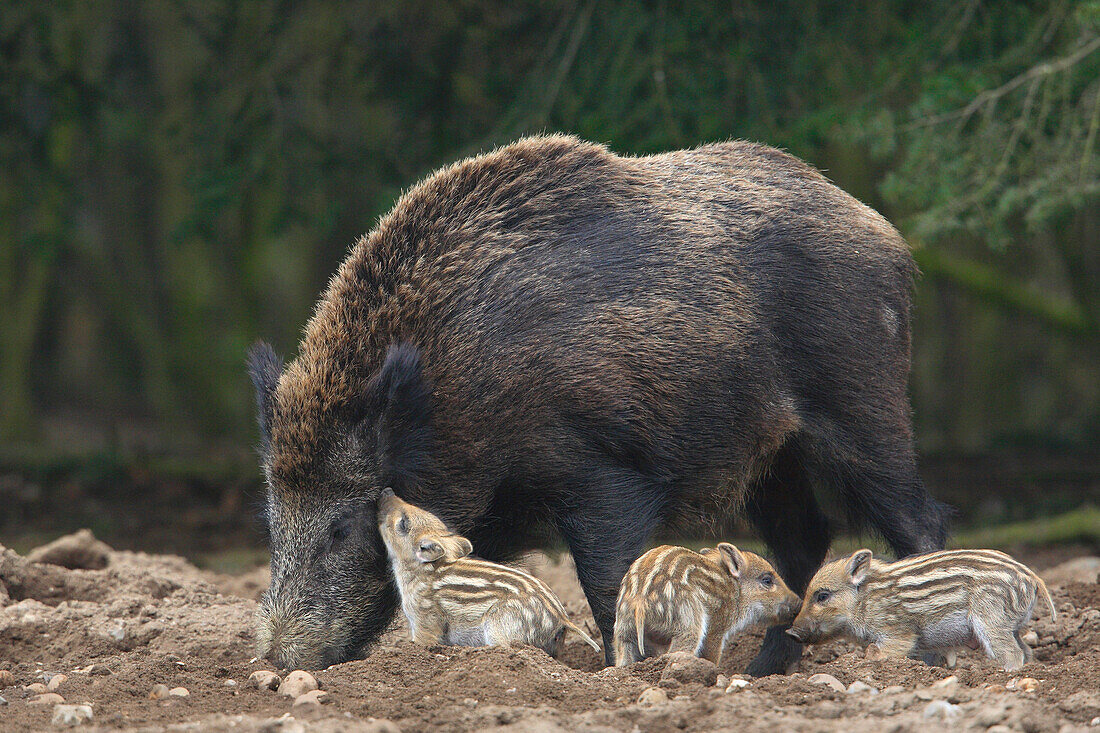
x=767 y=580
x=822 y=596
x=403 y=525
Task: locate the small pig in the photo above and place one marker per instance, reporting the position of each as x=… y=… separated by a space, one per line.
x=449 y=598
x=673 y=598
x=925 y=606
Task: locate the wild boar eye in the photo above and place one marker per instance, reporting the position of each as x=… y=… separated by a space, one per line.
x=822 y=596
x=767 y=580
x=403 y=524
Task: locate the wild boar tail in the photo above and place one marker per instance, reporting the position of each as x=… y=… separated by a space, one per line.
x=580 y=632
x=639 y=626
x=1047 y=598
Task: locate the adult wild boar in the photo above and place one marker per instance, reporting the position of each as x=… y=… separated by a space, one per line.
x=554 y=340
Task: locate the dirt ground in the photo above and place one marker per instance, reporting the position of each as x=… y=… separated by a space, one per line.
x=144 y=620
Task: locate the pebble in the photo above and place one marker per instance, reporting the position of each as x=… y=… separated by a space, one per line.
x=179 y=692
x=828 y=680
x=653 y=696
x=892 y=689
x=860 y=687
x=71 y=714
x=3 y=702
x=297 y=683
x=36 y=687
x=159 y=692
x=722 y=681
x=7 y=679
x=947 y=683
x=230 y=683
x=313 y=697
x=688 y=669
x=1030 y=638
x=736 y=685
x=46 y=698
x=1024 y=684
x=999 y=729
x=263 y=679
x=940 y=709
x=56 y=681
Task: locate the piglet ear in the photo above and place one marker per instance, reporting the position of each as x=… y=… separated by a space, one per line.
x=457 y=547
x=429 y=551
x=732 y=558
x=858 y=566
x=397 y=416
x=264 y=367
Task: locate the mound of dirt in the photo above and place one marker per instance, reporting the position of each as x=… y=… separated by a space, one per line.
x=106 y=637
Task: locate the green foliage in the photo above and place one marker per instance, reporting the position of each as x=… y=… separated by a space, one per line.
x=183 y=176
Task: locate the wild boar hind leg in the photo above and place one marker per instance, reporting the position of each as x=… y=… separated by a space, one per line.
x=607 y=525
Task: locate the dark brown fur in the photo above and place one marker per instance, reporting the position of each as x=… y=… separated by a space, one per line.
x=551 y=337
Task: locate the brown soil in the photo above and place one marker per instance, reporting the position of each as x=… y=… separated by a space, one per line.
x=147 y=620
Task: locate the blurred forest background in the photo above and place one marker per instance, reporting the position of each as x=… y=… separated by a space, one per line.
x=181 y=177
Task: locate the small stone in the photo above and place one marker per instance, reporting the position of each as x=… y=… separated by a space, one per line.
x=36 y=687
x=99 y=670
x=313 y=697
x=159 y=692
x=892 y=690
x=230 y=683
x=263 y=679
x=947 y=683
x=999 y=729
x=828 y=680
x=653 y=696
x=722 y=681
x=940 y=709
x=689 y=669
x=923 y=694
x=297 y=683
x=46 y=698
x=3 y=702
x=1030 y=638
x=1023 y=684
x=736 y=685
x=68 y=715
x=468 y=702
x=861 y=687
x=179 y=692
x=56 y=681
x=7 y=679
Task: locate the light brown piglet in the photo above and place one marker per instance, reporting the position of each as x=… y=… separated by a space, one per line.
x=449 y=598
x=674 y=599
x=925 y=606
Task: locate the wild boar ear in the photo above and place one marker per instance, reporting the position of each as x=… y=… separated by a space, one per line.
x=732 y=558
x=858 y=566
x=399 y=406
x=429 y=551
x=264 y=367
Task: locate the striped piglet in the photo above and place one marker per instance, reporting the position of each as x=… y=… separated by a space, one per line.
x=674 y=599
x=449 y=598
x=925 y=606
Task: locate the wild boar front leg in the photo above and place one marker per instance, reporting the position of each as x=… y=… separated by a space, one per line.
x=786 y=514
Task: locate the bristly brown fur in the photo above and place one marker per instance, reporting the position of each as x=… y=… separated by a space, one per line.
x=554 y=338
